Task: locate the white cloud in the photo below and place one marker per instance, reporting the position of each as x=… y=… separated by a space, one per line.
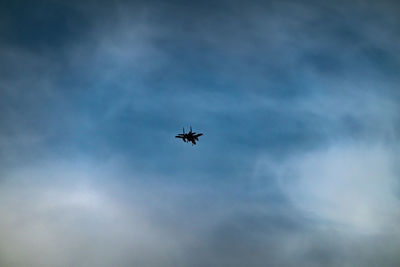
x=61 y=215
x=353 y=186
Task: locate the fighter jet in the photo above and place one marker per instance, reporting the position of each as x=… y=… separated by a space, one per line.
x=189 y=137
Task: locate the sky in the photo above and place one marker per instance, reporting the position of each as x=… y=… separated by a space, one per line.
x=298 y=102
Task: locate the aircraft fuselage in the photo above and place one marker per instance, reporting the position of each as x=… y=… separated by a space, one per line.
x=189 y=137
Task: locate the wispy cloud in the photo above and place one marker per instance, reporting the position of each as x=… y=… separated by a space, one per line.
x=298 y=103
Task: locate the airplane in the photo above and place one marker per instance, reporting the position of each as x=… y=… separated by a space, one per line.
x=189 y=137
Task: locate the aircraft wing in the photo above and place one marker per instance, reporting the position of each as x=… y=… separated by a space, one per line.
x=178 y=136
x=200 y=134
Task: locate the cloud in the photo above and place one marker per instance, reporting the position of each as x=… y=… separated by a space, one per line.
x=101 y=213
x=59 y=215
x=298 y=103
x=353 y=186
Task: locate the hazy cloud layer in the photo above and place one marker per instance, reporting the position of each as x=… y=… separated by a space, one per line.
x=298 y=103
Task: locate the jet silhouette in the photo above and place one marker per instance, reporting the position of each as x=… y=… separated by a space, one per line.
x=189 y=137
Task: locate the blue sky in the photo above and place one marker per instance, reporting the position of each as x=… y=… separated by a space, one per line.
x=297 y=100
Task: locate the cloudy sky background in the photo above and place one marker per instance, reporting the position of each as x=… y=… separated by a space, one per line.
x=298 y=102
